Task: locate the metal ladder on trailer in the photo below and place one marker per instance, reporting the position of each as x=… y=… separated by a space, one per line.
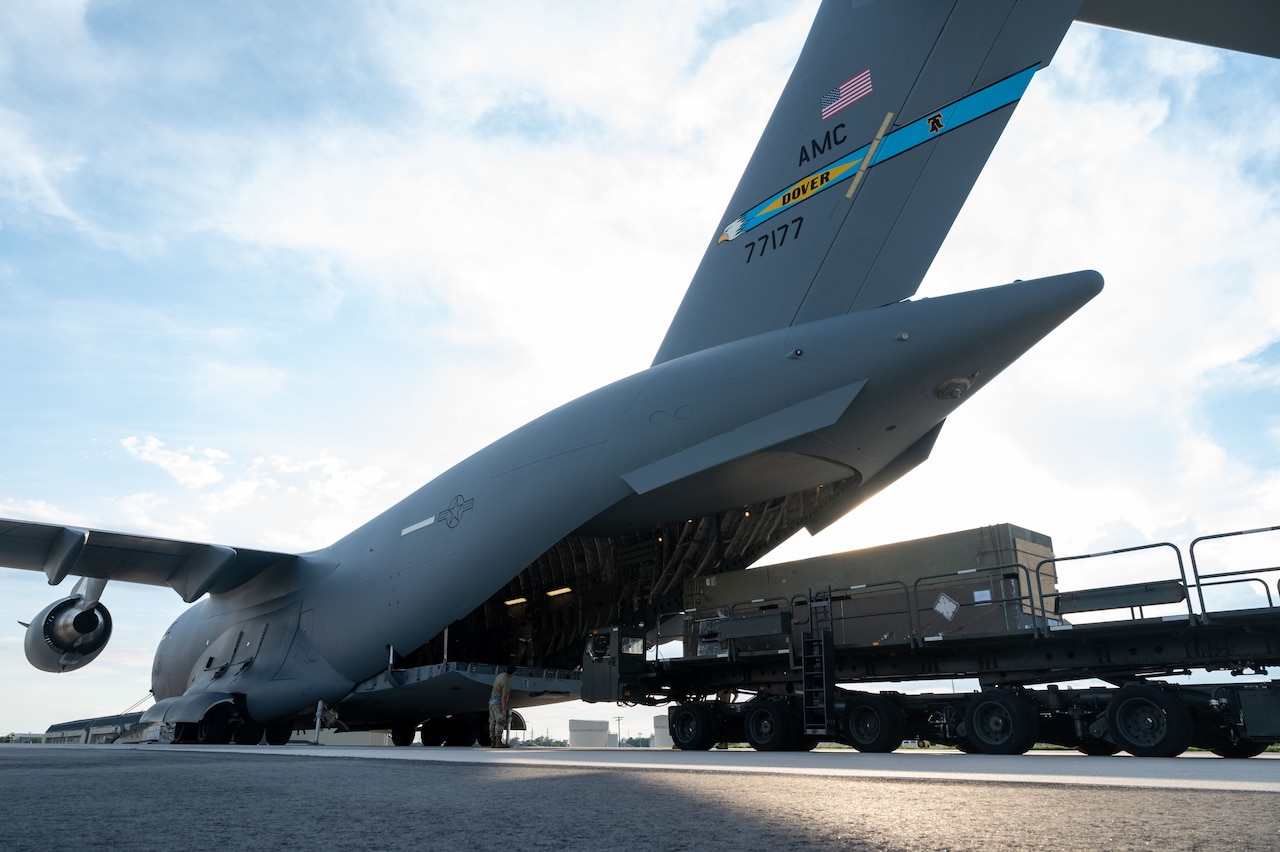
x=817 y=662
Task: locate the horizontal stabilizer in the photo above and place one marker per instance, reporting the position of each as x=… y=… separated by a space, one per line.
x=784 y=425
x=846 y=502
x=1249 y=26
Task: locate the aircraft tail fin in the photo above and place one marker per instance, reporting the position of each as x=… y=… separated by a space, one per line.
x=889 y=115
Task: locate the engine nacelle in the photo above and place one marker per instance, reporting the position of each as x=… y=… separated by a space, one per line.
x=67 y=634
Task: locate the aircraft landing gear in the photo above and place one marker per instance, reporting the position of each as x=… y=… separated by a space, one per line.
x=214 y=727
x=279 y=733
x=249 y=733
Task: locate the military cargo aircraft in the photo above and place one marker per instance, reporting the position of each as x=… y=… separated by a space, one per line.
x=797 y=379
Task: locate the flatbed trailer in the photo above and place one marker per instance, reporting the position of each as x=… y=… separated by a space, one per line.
x=775 y=669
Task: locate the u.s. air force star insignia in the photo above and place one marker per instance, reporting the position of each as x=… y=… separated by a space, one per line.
x=453 y=515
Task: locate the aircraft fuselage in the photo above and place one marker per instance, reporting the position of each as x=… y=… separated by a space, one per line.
x=801 y=407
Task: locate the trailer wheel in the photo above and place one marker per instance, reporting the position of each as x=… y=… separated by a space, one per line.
x=770 y=727
x=873 y=723
x=1146 y=721
x=694 y=727
x=1239 y=749
x=999 y=722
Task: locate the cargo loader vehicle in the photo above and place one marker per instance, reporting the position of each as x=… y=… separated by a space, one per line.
x=787 y=656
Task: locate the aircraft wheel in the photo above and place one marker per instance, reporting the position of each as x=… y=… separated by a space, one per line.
x=694 y=727
x=279 y=733
x=770 y=727
x=1097 y=748
x=214 y=727
x=1146 y=721
x=1239 y=749
x=433 y=732
x=182 y=732
x=459 y=733
x=249 y=733
x=999 y=722
x=873 y=723
x=402 y=735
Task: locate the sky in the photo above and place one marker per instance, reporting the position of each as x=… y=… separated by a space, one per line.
x=262 y=274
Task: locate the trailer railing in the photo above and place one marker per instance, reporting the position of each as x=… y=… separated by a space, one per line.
x=1135 y=597
x=854 y=607
x=1237 y=576
x=1186 y=587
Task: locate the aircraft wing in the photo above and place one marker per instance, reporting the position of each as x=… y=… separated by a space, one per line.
x=190 y=569
x=889 y=116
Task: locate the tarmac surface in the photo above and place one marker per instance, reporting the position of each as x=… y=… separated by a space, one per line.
x=304 y=797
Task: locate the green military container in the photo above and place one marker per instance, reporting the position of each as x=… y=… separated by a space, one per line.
x=991 y=579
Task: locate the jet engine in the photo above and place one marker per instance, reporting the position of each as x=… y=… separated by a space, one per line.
x=68 y=634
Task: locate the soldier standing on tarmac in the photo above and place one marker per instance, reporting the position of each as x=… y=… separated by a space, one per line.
x=499 y=707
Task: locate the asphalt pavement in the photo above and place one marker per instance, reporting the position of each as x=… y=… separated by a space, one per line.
x=296 y=797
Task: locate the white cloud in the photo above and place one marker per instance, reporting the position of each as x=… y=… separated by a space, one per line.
x=191 y=467
x=51 y=34
x=28 y=177
x=276 y=502
x=153 y=514
x=33 y=510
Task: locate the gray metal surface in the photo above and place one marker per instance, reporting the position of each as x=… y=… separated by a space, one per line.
x=1251 y=26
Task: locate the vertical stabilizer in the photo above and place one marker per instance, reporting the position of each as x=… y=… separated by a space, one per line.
x=890 y=114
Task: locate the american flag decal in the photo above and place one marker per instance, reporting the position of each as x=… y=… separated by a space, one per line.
x=846 y=93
